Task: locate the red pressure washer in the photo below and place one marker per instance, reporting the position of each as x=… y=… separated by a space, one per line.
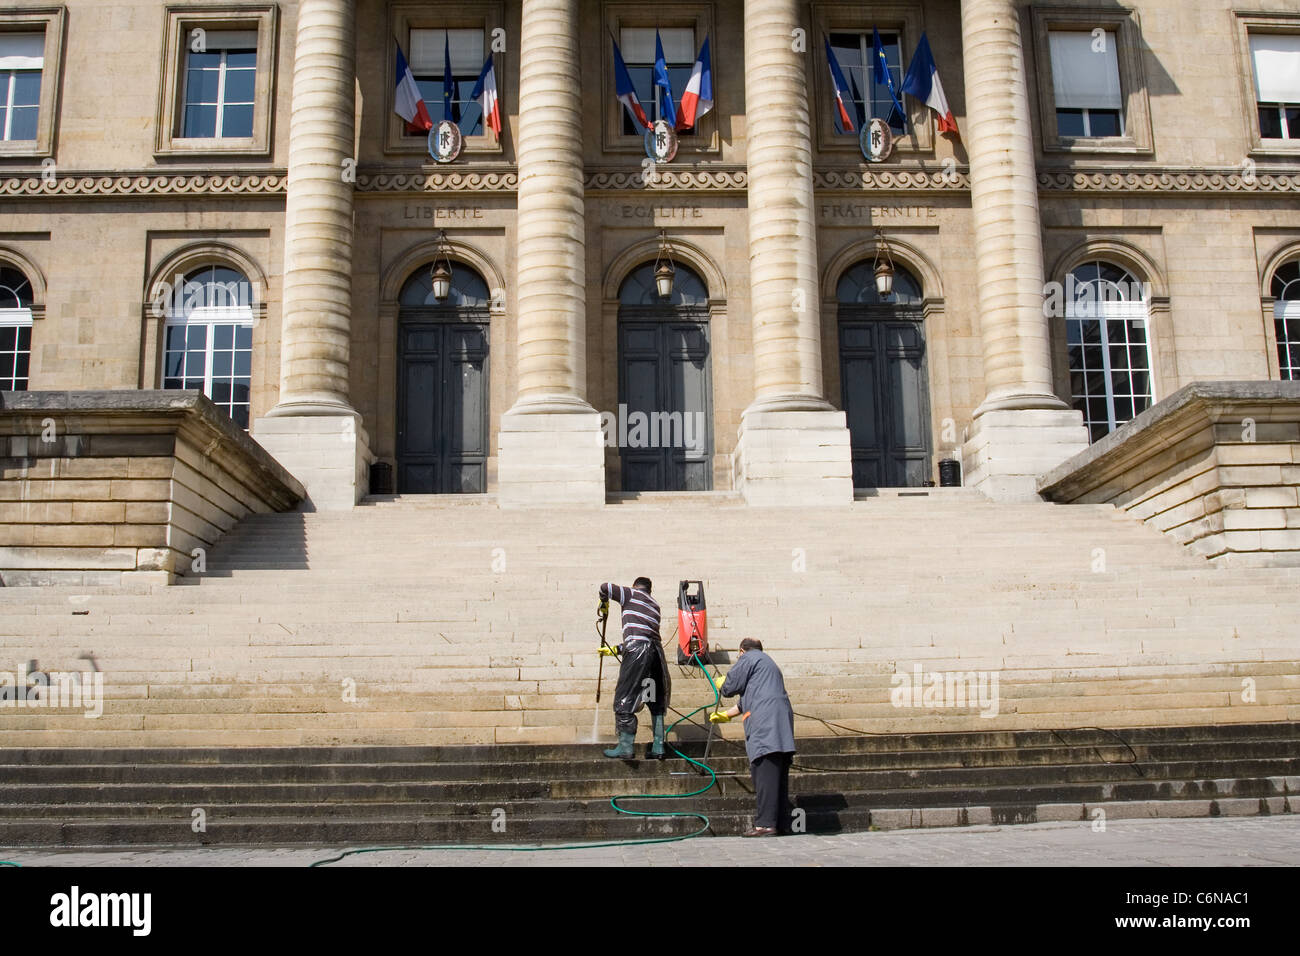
x=692 y=623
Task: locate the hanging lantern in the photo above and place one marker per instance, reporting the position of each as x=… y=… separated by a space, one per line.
x=441 y=273
x=665 y=271
x=884 y=268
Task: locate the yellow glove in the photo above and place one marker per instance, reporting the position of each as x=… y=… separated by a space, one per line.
x=602 y=609
x=719 y=681
x=719 y=717
x=606 y=651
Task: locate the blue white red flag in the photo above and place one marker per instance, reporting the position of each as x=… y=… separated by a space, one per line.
x=697 y=98
x=624 y=89
x=923 y=82
x=842 y=95
x=407 y=101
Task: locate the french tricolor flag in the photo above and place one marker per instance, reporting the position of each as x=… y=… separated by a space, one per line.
x=485 y=92
x=624 y=89
x=841 y=89
x=697 y=98
x=923 y=82
x=408 y=103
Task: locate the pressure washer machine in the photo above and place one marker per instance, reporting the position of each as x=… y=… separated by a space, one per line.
x=692 y=623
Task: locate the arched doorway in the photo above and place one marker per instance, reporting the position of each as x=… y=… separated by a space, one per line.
x=884 y=385
x=665 y=387
x=442 y=384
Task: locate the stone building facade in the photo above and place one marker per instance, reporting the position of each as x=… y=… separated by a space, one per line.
x=163 y=157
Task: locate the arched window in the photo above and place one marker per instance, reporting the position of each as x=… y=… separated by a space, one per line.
x=1286 y=319
x=858 y=287
x=15 y=329
x=208 y=341
x=639 y=289
x=1106 y=333
x=468 y=290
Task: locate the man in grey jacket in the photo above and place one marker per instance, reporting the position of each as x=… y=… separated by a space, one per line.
x=769 y=733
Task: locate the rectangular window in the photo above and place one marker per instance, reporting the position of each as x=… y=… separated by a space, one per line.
x=15 y=353
x=215 y=357
x=1275 y=61
x=428 y=57
x=638 y=47
x=220 y=86
x=1086 y=83
x=22 y=59
x=1286 y=322
x=855 y=53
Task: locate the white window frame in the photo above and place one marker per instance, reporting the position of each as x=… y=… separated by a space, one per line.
x=221 y=94
x=17 y=319
x=1248 y=24
x=50 y=23
x=209 y=317
x=181 y=22
x=1102 y=312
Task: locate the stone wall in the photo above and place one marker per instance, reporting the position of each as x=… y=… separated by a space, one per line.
x=107 y=488
x=1216 y=466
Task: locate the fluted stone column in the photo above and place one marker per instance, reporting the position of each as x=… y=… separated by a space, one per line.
x=793 y=447
x=549 y=444
x=313 y=430
x=1021 y=429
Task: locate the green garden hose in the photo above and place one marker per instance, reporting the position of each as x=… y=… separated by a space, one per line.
x=613 y=802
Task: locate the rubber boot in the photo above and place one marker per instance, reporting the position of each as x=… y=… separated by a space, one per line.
x=656 y=749
x=625 y=749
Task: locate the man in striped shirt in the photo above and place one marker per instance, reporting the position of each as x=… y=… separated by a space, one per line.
x=643 y=676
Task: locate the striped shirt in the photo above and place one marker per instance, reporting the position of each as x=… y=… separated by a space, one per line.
x=640 y=612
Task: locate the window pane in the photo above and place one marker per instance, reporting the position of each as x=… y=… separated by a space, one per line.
x=240 y=392
x=1104 y=123
x=1270 y=122
x=244 y=337
x=220 y=392
x=241 y=59
x=238 y=121
x=210 y=60
x=201 y=86
x=6 y=369
x=240 y=85
x=1276 y=61
x=8 y=337
x=200 y=122
x=194 y=383
x=223 y=336
x=1076 y=383
x=172 y=383
x=243 y=363
x=196 y=337
x=1141 y=383
x=21 y=361
x=1069 y=122
x=1123 y=409
x=174 y=364
x=27 y=88
x=221 y=363
x=25 y=338
x=1085 y=70
x=23 y=123
x=1293 y=122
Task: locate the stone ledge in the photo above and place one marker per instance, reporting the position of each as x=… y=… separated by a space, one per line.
x=161 y=460
x=1221 y=450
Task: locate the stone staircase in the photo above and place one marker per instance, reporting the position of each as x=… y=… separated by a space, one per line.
x=521 y=793
x=420 y=622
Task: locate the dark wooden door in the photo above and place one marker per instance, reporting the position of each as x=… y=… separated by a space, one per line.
x=664 y=382
x=886 y=396
x=442 y=422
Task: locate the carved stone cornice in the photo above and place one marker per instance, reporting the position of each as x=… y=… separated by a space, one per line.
x=499 y=179
x=1198 y=179
x=877 y=179
x=665 y=177
x=95 y=185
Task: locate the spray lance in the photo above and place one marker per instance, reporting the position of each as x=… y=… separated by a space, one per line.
x=602 y=617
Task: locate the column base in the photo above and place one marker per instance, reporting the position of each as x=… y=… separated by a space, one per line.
x=550 y=458
x=329 y=454
x=799 y=458
x=1006 y=451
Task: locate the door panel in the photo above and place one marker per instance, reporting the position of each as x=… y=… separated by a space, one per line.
x=885 y=391
x=664 y=374
x=442 y=444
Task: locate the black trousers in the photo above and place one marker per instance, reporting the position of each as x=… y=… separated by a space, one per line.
x=771 y=775
x=643 y=681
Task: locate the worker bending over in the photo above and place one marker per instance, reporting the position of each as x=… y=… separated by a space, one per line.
x=643 y=676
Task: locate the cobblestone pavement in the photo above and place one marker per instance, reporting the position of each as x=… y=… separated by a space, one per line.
x=1259 y=841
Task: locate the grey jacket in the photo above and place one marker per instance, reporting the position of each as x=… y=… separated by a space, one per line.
x=770 y=725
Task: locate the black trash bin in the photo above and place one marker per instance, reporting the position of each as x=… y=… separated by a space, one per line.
x=950 y=473
x=381 y=478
